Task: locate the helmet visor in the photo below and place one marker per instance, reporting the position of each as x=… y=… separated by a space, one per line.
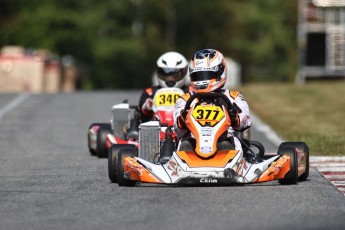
x=171 y=73
x=203 y=75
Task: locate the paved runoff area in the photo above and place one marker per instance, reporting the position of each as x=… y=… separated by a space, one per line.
x=332 y=168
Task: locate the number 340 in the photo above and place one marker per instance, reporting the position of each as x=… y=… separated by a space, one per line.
x=170 y=98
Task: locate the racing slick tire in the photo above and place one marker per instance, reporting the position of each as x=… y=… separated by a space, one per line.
x=103 y=131
x=121 y=180
x=112 y=159
x=93 y=152
x=291 y=177
x=304 y=148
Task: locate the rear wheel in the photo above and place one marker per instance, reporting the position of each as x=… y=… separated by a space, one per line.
x=112 y=159
x=305 y=149
x=121 y=177
x=103 y=131
x=291 y=177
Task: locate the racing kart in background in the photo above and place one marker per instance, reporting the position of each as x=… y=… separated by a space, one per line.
x=125 y=117
x=209 y=159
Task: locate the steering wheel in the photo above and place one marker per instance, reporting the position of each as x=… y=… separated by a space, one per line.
x=208 y=96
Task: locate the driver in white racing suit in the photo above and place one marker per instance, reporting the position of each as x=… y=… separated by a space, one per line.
x=208 y=73
x=171 y=72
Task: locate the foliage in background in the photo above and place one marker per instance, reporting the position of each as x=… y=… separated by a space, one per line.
x=313 y=113
x=118 y=41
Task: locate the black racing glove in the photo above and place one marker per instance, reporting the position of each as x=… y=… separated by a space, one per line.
x=234 y=118
x=181 y=120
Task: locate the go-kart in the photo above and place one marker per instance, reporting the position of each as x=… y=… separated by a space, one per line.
x=125 y=118
x=208 y=160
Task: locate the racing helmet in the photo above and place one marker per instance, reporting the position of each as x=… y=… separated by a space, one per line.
x=207 y=70
x=172 y=70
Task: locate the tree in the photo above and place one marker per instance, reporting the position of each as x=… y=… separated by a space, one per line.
x=118 y=41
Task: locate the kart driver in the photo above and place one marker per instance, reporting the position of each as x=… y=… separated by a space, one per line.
x=208 y=73
x=171 y=72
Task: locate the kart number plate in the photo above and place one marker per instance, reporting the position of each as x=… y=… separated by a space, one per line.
x=166 y=99
x=208 y=115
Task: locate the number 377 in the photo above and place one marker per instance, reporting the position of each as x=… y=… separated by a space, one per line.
x=207 y=114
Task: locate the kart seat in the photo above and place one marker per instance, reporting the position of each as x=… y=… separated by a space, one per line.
x=225 y=145
x=187 y=144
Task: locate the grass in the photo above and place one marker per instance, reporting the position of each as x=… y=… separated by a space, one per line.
x=313 y=113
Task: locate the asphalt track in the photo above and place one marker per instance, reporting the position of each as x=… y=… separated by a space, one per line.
x=48 y=180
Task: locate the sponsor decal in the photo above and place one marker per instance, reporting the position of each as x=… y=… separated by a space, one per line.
x=204 y=104
x=208 y=180
x=206 y=149
x=206 y=131
x=174 y=168
x=199 y=62
x=241 y=167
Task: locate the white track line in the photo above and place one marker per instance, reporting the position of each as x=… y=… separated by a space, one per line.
x=263 y=128
x=14 y=103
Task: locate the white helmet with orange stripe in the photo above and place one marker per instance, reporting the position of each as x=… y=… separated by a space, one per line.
x=207 y=70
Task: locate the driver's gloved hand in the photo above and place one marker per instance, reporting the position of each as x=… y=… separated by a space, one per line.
x=146 y=108
x=234 y=118
x=148 y=104
x=181 y=120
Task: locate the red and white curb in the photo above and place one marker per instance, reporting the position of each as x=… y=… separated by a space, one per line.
x=332 y=168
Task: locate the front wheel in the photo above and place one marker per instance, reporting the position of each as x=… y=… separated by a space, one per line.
x=122 y=179
x=112 y=159
x=291 y=177
x=103 y=131
x=303 y=147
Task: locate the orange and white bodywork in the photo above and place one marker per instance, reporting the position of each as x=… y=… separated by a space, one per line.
x=224 y=168
x=205 y=164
